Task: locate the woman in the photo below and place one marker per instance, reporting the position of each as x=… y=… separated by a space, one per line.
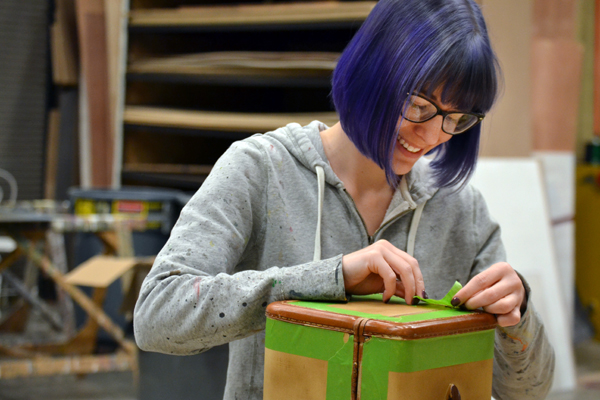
x=319 y=213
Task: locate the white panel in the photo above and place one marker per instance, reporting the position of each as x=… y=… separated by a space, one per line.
x=559 y=177
x=514 y=191
x=559 y=174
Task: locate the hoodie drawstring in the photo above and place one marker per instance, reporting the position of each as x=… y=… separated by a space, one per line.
x=321 y=180
x=412 y=232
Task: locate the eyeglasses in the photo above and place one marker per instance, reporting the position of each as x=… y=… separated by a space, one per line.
x=419 y=109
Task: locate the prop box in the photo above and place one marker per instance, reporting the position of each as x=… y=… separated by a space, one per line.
x=368 y=350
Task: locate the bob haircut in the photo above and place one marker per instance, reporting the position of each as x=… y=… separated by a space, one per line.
x=407 y=46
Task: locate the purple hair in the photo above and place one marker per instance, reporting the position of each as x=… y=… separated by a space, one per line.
x=407 y=46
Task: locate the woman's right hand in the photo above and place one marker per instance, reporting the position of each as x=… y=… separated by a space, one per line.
x=382 y=267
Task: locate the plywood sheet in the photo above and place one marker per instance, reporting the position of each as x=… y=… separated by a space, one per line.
x=220 y=121
x=309 y=12
x=241 y=63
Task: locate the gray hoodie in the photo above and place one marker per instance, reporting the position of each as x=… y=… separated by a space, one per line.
x=263 y=227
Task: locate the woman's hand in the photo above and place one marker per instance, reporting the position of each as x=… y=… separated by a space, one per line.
x=498 y=290
x=381 y=267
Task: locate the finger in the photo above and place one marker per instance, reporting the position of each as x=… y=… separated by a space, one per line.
x=481 y=281
x=503 y=306
x=404 y=271
x=399 y=288
x=489 y=295
x=383 y=269
x=510 y=319
x=407 y=268
x=418 y=276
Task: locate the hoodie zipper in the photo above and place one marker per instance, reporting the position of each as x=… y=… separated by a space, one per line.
x=371 y=239
x=364 y=225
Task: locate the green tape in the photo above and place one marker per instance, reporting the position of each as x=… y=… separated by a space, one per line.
x=317 y=343
x=434 y=311
x=380 y=356
x=446 y=301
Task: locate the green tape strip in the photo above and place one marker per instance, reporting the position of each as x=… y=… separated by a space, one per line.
x=380 y=356
x=446 y=301
x=435 y=311
x=316 y=343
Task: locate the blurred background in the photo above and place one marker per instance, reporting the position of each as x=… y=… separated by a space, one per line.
x=113 y=112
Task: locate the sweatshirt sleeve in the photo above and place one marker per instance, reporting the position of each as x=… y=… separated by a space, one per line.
x=203 y=289
x=523 y=356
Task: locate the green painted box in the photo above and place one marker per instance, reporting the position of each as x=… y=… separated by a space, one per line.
x=368 y=350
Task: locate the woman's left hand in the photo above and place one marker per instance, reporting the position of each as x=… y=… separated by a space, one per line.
x=498 y=290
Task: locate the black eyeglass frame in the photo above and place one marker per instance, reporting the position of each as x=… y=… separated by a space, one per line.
x=443 y=113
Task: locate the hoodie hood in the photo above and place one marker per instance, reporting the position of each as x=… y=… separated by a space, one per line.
x=304 y=143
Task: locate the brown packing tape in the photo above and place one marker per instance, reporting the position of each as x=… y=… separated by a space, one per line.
x=472 y=322
x=473 y=380
x=292 y=377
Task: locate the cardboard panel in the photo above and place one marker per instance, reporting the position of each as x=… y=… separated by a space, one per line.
x=334 y=348
x=292 y=377
x=507 y=128
x=473 y=380
x=382 y=356
x=556 y=74
x=100 y=271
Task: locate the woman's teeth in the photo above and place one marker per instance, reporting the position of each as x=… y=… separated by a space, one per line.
x=408 y=147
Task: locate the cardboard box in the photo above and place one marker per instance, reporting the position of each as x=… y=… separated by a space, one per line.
x=369 y=350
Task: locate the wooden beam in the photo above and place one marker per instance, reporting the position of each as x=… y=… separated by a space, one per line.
x=52 y=142
x=63 y=44
x=78 y=365
x=254 y=14
x=220 y=121
x=116 y=12
x=94 y=67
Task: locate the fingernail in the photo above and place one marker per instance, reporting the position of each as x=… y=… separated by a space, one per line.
x=424 y=295
x=455 y=302
x=454 y=393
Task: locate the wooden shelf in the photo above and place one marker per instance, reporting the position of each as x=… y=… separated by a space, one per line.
x=241 y=63
x=175 y=181
x=255 y=14
x=184 y=169
x=310 y=69
x=220 y=121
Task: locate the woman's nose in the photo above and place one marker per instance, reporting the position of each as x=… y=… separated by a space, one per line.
x=430 y=131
